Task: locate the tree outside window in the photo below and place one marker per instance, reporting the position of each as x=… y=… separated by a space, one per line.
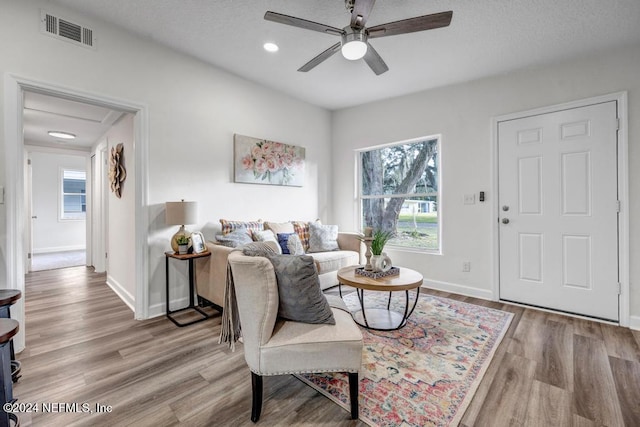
x=74 y=197
x=399 y=192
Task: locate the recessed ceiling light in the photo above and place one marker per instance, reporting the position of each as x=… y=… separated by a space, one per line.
x=270 y=47
x=60 y=134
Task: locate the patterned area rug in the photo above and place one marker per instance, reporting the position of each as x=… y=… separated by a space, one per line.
x=426 y=373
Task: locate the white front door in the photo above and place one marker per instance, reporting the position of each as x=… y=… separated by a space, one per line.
x=559 y=208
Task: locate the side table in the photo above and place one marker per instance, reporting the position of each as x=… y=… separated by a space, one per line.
x=192 y=305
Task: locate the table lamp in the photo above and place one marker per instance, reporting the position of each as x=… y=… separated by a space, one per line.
x=180 y=213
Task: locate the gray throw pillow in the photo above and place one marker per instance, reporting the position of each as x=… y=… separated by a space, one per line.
x=323 y=238
x=235 y=238
x=301 y=298
x=259 y=249
x=266 y=236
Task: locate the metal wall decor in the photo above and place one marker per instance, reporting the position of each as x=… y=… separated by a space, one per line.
x=117 y=172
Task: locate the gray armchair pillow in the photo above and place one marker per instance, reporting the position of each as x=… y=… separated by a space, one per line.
x=300 y=296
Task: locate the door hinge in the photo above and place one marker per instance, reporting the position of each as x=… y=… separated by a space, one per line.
x=106 y=254
x=618 y=206
x=619 y=288
x=618 y=123
x=29 y=255
x=28 y=161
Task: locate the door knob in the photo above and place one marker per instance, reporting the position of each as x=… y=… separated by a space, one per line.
x=34 y=217
x=505 y=208
x=505 y=220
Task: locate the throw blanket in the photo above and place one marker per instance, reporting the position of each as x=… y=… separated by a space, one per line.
x=230 y=329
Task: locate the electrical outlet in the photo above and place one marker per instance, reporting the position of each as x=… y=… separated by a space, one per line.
x=466 y=266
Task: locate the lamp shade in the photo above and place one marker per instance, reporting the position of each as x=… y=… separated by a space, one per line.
x=181 y=213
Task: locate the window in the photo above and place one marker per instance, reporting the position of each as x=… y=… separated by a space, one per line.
x=74 y=197
x=399 y=192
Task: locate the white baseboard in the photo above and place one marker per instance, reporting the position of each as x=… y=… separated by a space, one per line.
x=124 y=295
x=157 y=310
x=59 y=249
x=458 y=289
x=634 y=322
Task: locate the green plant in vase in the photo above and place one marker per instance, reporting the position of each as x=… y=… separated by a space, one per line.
x=380 y=238
x=183 y=243
x=379 y=260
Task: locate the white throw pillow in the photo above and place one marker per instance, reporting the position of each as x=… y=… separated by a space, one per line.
x=323 y=238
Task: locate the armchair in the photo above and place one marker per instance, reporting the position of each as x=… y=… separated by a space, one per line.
x=274 y=346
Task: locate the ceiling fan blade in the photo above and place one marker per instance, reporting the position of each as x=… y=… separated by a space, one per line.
x=374 y=60
x=360 y=13
x=411 y=25
x=301 y=23
x=320 y=58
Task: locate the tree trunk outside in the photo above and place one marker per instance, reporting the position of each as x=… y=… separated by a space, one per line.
x=373 y=177
x=375 y=214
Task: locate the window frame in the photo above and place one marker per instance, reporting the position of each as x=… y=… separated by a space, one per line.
x=62 y=216
x=359 y=197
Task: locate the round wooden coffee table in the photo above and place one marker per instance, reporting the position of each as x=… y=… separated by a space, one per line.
x=381 y=319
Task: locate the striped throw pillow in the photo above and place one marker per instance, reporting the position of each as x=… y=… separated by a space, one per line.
x=229 y=226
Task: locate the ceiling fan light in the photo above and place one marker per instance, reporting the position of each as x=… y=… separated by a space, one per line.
x=60 y=134
x=353 y=50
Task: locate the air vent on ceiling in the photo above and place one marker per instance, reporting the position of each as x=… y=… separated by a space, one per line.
x=64 y=29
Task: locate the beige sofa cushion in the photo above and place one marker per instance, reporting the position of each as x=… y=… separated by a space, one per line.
x=334 y=260
x=279 y=227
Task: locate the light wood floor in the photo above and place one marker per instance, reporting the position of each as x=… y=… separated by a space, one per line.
x=84 y=346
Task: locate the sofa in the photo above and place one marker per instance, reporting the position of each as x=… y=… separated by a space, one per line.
x=211 y=272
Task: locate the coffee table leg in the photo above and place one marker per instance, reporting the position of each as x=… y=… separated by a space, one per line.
x=389 y=302
x=415 y=302
x=360 y=293
x=340 y=289
x=408 y=313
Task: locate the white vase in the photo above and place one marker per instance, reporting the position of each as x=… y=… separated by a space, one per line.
x=380 y=263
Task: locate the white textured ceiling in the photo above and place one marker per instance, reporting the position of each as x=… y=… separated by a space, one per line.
x=486 y=37
x=44 y=113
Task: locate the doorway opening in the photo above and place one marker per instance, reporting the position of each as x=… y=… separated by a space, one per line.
x=17 y=215
x=56 y=197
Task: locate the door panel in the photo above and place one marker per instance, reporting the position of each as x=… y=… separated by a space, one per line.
x=558 y=195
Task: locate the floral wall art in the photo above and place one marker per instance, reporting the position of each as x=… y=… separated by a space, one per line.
x=258 y=161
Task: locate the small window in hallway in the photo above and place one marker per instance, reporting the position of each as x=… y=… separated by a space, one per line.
x=74 y=195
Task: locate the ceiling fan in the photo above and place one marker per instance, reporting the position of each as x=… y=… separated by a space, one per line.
x=354 y=42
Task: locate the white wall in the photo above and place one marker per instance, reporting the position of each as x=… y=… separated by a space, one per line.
x=193 y=110
x=462 y=114
x=121 y=229
x=50 y=233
